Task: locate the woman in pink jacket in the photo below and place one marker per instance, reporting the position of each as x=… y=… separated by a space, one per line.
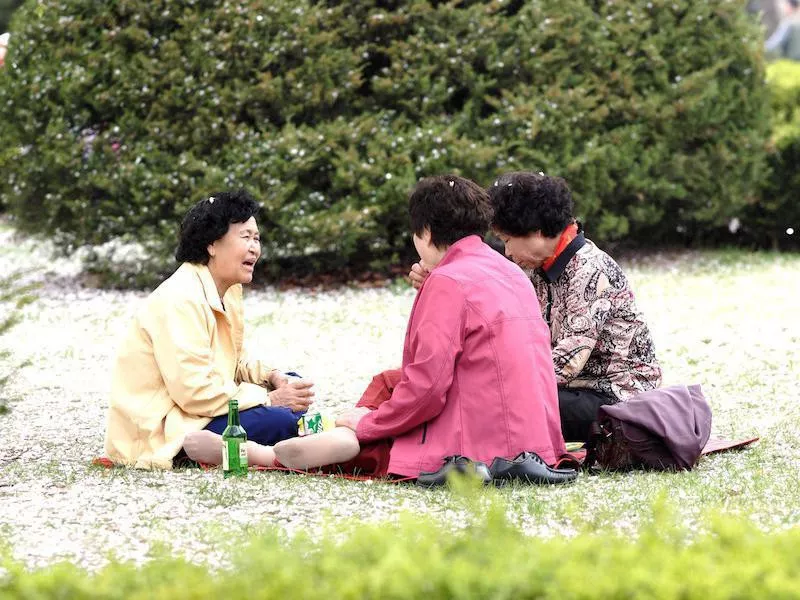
x=477 y=378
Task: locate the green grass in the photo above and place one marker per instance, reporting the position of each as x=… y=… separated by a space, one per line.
x=724 y=319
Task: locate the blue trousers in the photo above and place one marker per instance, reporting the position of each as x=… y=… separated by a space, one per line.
x=266 y=425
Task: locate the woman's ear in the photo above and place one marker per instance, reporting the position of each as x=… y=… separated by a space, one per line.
x=210 y=249
x=426 y=236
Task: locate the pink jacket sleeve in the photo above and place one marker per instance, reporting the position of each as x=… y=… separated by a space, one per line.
x=433 y=343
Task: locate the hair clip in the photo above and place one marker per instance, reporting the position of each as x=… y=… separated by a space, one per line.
x=541 y=173
x=211 y=199
x=452 y=183
x=496 y=183
x=510 y=184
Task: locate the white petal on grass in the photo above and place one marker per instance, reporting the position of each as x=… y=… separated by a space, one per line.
x=340 y=339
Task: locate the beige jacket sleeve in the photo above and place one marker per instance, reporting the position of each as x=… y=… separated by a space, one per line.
x=181 y=339
x=255 y=371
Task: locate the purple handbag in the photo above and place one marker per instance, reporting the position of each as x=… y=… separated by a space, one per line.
x=662 y=429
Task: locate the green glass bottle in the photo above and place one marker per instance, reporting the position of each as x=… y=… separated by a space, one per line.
x=234 y=444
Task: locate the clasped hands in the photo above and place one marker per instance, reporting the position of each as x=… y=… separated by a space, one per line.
x=296 y=396
x=418 y=273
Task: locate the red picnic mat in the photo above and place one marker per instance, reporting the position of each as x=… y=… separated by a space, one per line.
x=102 y=461
x=718 y=445
x=575 y=458
x=572 y=459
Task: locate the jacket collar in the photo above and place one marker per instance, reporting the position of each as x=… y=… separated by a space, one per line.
x=209 y=287
x=466 y=244
x=562 y=260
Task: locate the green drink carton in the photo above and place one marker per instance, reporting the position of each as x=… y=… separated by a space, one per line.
x=314 y=423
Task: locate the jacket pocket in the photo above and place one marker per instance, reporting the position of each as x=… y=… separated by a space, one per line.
x=424 y=433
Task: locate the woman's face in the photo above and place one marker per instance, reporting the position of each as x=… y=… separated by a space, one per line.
x=233 y=257
x=529 y=251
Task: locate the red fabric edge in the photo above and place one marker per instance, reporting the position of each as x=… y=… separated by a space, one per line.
x=569 y=460
x=719 y=445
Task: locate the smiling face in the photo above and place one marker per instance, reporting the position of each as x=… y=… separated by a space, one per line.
x=233 y=257
x=529 y=251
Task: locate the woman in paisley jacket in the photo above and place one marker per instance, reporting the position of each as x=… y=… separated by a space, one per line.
x=602 y=349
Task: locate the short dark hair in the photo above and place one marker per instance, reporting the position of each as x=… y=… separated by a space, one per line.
x=451 y=207
x=209 y=220
x=525 y=203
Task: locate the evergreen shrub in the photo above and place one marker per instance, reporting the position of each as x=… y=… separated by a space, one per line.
x=119 y=115
x=7 y=8
x=774 y=219
x=489 y=558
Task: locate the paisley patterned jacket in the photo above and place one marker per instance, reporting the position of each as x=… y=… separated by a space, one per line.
x=598 y=336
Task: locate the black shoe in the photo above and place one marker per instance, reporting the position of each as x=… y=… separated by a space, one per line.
x=455 y=464
x=529 y=467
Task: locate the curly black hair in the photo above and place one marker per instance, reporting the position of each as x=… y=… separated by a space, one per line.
x=525 y=203
x=451 y=207
x=209 y=220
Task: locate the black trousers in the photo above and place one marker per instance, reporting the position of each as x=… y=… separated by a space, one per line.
x=578 y=408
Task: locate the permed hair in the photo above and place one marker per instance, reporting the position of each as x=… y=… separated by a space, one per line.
x=451 y=207
x=209 y=220
x=525 y=203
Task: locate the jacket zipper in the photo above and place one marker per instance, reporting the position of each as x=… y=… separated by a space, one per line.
x=549 y=304
x=424 y=433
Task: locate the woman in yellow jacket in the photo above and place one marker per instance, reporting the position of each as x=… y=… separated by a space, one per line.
x=182 y=358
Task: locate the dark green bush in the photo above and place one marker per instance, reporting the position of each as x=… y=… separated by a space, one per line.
x=774 y=219
x=486 y=559
x=121 y=114
x=7 y=7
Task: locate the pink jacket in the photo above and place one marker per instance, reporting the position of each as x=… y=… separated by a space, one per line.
x=477 y=375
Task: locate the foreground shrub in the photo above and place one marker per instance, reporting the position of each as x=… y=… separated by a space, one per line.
x=119 y=115
x=489 y=558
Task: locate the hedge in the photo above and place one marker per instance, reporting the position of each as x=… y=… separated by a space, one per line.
x=7 y=8
x=487 y=558
x=774 y=219
x=121 y=114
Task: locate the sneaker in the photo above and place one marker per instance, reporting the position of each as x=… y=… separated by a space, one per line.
x=529 y=467
x=455 y=464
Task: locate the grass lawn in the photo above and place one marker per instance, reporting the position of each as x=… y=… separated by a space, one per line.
x=725 y=319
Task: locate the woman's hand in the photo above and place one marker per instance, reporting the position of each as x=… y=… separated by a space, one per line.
x=296 y=396
x=418 y=273
x=352 y=417
x=277 y=379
